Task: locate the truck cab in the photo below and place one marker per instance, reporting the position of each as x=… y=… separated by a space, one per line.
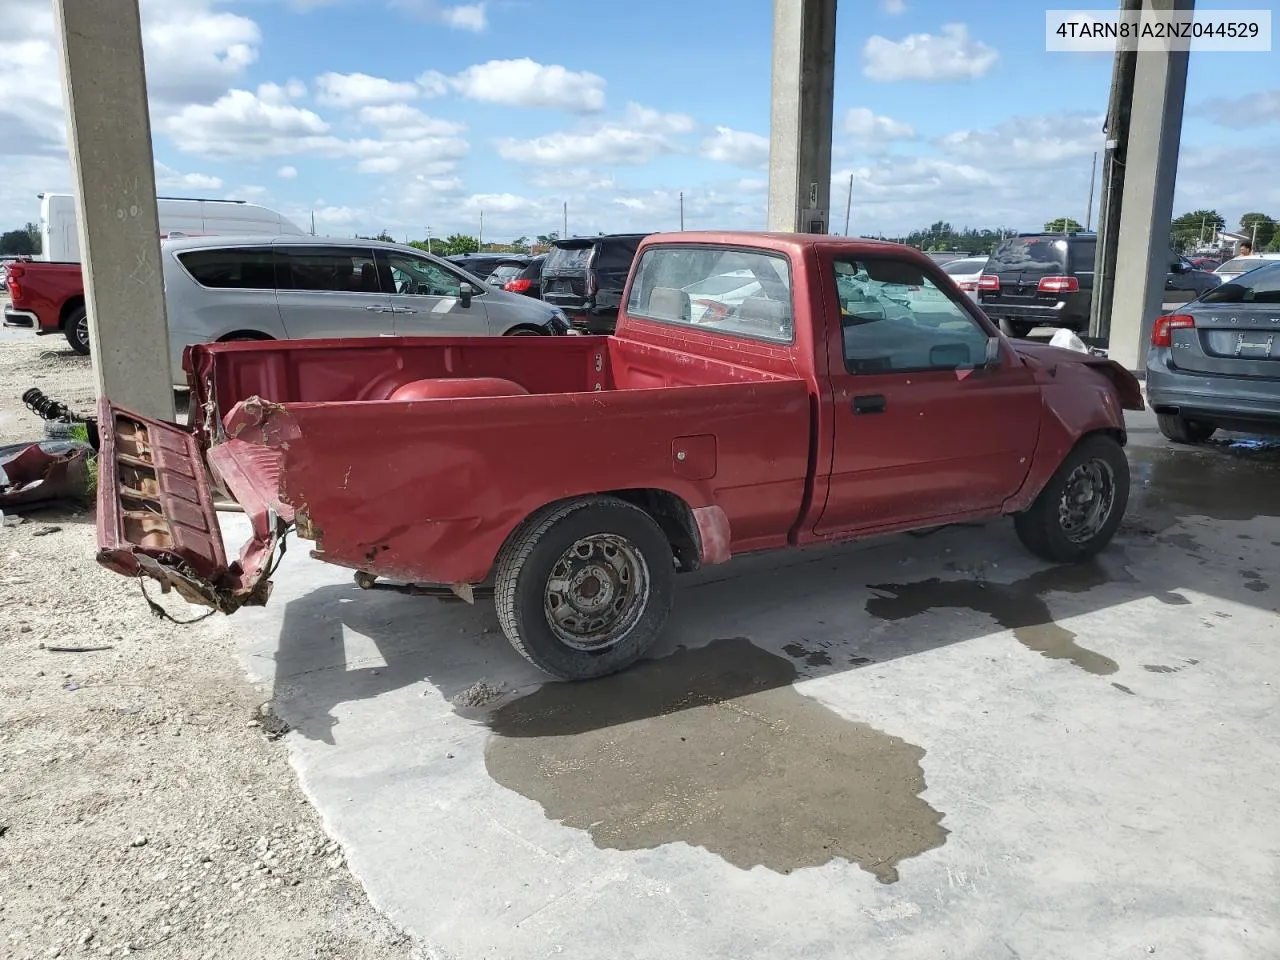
x=762 y=391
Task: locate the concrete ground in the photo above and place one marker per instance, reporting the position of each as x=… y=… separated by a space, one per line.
x=926 y=746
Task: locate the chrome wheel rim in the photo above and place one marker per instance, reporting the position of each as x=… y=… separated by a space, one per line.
x=597 y=592
x=1087 y=500
x=82 y=331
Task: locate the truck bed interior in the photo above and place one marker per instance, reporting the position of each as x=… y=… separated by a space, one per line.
x=355 y=370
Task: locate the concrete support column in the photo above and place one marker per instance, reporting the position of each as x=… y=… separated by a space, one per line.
x=1151 y=165
x=804 y=51
x=109 y=131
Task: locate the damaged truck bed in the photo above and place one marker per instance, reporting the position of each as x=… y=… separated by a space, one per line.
x=761 y=391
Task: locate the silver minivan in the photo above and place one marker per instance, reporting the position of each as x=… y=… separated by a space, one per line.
x=296 y=287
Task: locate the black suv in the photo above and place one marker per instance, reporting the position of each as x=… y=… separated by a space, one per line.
x=584 y=277
x=1046 y=280
x=483 y=265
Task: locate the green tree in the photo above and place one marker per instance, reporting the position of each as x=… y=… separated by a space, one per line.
x=1063 y=225
x=33 y=231
x=521 y=244
x=546 y=239
x=1186 y=231
x=458 y=243
x=1266 y=227
x=18 y=243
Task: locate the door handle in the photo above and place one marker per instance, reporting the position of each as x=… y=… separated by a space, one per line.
x=375 y=308
x=872 y=403
x=403 y=310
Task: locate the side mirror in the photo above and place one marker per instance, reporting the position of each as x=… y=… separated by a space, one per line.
x=992 y=358
x=465 y=293
x=1178 y=267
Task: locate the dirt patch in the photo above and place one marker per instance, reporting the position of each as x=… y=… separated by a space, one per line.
x=142 y=804
x=715 y=747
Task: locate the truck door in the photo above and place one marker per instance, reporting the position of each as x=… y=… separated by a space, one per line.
x=922 y=428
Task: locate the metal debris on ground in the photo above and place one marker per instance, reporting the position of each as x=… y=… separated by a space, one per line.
x=41 y=473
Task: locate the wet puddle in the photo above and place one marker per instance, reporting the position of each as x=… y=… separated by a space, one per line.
x=1224 y=480
x=1017 y=606
x=714 y=747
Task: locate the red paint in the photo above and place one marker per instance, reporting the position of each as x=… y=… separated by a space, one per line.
x=47 y=290
x=416 y=458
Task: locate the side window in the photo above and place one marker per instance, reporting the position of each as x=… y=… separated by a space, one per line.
x=617 y=254
x=418 y=275
x=332 y=269
x=239 y=268
x=894 y=319
x=741 y=292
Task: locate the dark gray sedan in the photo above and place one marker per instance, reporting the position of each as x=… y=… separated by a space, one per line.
x=1216 y=362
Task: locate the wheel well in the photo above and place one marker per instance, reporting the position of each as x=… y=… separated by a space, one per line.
x=245 y=335
x=674 y=516
x=669 y=511
x=1117 y=434
x=68 y=308
x=525 y=328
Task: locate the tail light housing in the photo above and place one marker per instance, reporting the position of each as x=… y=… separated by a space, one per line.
x=1058 y=285
x=968 y=286
x=1162 y=330
x=12 y=280
x=517 y=285
x=988 y=281
x=591 y=283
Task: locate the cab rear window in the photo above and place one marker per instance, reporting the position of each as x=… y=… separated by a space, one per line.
x=1029 y=255
x=571 y=258
x=745 y=293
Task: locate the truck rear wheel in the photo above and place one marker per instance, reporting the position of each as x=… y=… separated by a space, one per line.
x=76 y=330
x=1080 y=508
x=584 y=588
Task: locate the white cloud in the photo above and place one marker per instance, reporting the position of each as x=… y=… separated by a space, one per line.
x=168 y=179
x=924 y=56
x=641 y=137
x=738 y=147
x=1028 y=141
x=358 y=89
x=522 y=83
x=1241 y=113
x=894 y=7
x=867 y=125
x=287 y=172
x=194 y=51
x=466 y=16
x=399 y=121
x=570 y=178
x=245 y=124
x=462 y=16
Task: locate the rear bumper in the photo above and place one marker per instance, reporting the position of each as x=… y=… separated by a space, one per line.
x=1055 y=316
x=24 y=319
x=1212 y=397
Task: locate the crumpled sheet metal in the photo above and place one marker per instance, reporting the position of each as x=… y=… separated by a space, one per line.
x=40 y=473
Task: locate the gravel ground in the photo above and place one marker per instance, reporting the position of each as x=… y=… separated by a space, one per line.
x=146 y=803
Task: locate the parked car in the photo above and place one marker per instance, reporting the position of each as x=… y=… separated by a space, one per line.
x=1216 y=363
x=219 y=288
x=48 y=297
x=529 y=280
x=1046 y=280
x=1238 y=265
x=966 y=273
x=1205 y=263
x=585 y=277
x=803 y=415
x=483 y=265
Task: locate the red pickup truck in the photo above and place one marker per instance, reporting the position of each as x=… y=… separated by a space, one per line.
x=761 y=391
x=48 y=298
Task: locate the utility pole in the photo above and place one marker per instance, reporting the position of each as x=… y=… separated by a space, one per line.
x=1119 y=108
x=313 y=223
x=681 y=211
x=1093 y=176
x=848 y=206
x=428 y=238
x=1253 y=241
x=113 y=171
x=565 y=235
x=480 y=239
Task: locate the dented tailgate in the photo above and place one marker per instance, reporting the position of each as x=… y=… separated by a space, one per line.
x=156 y=516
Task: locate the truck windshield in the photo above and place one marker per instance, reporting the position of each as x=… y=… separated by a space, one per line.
x=744 y=293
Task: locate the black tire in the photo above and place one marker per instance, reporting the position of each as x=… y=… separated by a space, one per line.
x=1016 y=328
x=525 y=332
x=1181 y=430
x=76 y=330
x=1044 y=530
x=525 y=568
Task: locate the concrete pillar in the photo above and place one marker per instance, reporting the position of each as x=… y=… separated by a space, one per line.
x=109 y=132
x=1151 y=165
x=804 y=52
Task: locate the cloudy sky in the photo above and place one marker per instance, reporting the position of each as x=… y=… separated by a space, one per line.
x=404 y=114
